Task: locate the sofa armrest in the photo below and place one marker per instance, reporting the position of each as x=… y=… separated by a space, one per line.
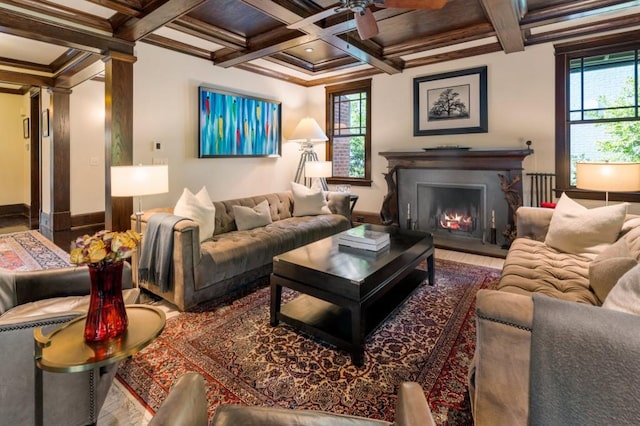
x=412 y=407
x=186 y=403
x=186 y=256
x=499 y=377
x=339 y=203
x=533 y=222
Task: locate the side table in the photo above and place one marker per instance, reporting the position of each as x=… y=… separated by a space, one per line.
x=64 y=350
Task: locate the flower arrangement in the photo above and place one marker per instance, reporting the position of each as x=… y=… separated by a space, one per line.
x=104 y=247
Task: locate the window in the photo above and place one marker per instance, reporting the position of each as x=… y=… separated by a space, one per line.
x=597 y=116
x=349 y=131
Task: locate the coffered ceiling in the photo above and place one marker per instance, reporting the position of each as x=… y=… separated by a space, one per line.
x=61 y=42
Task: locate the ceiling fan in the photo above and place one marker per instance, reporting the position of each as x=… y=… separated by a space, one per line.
x=365 y=21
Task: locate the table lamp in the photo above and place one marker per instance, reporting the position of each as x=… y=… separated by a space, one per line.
x=136 y=181
x=608 y=177
x=320 y=170
x=308 y=132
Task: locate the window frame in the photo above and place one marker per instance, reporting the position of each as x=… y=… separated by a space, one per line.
x=345 y=89
x=564 y=54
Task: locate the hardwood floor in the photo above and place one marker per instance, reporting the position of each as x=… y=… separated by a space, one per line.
x=13 y=223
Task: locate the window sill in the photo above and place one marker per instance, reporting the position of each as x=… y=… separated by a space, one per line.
x=349 y=181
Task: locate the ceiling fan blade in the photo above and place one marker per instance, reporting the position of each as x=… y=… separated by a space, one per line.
x=366 y=23
x=411 y=4
x=313 y=18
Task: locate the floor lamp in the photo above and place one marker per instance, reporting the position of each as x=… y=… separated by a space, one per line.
x=136 y=181
x=320 y=170
x=308 y=132
x=608 y=177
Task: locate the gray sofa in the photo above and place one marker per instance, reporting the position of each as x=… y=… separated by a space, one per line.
x=231 y=259
x=502 y=372
x=47 y=299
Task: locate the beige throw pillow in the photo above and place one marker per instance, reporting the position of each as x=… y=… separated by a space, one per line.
x=308 y=201
x=578 y=230
x=609 y=267
x=198 y=208
x=249 y=218
x=625 y=295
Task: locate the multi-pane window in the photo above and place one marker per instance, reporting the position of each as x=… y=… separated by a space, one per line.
x=349 y=132
x=597 y=99
x=603 y=108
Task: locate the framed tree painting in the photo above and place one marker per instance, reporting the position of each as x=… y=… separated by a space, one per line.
x=450 y=103
x=236 y=125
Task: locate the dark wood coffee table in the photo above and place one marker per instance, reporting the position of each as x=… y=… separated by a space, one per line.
x=346 y=293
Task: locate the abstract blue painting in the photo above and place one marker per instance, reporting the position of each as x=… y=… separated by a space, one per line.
x=237 y=125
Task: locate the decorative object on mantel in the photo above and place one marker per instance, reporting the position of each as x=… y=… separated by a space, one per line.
x=390 y=201
x=514 y=200
x=450 y=103
x=104 y=253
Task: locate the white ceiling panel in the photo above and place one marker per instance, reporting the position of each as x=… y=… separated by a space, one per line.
x=28 y=50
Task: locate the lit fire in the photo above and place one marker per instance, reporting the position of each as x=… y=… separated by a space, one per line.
x=456 y=221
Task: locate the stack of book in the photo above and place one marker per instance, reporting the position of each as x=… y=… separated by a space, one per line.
x=363 y=238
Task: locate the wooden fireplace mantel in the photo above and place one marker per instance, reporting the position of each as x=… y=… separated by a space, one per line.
x=465 y=159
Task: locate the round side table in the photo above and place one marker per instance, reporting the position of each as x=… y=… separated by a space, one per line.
x=64 y=350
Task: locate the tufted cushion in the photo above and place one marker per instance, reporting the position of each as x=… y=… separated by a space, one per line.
x=531 y=266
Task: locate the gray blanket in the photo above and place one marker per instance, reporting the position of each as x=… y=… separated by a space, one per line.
x=156 y=264
x=584 y=365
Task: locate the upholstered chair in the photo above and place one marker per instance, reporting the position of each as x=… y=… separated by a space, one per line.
x=412 y=409
x=186 y=404
x=47 y=299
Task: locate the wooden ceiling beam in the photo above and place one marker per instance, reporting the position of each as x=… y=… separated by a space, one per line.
x=214 y=34
x=355 y=49
x=118 y=7
x=449 y=38
x=612 y=24
x=572 y=10
x=60 y=11
x=505 y=16
x=8 y=91
x=21 y=25
x=68 y=57
x=81 y=71
x=136 y=28
x=456 y=54
x=26 y=79
x=177 y=46
x=15 y=63
x=240 y=57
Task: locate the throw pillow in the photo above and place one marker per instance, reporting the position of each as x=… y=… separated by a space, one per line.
x=578 y=230
x=198 y=208
x=249 y=218
x=308 y=202
x=609 y=267
x=625 y=295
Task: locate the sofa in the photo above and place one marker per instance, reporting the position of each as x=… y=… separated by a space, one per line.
x=48 y=299
x=508 y=382
x=208 y=267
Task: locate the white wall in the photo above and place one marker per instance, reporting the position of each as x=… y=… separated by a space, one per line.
x=12 y=164
x=87 y=148
x=45 y=153
x=166 y=110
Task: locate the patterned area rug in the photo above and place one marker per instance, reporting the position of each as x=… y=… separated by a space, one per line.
x=30 y=251
x=244 y=360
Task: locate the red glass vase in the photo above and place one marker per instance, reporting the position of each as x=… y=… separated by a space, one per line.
x=107 y=316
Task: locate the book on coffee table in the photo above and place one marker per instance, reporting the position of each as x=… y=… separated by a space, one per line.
x=362 y=238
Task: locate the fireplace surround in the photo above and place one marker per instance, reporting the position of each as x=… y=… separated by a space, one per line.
x=458 y=195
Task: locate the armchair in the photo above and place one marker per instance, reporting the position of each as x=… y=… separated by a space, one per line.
x=47 y=298
x=412 y=409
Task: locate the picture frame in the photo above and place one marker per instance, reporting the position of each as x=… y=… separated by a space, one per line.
x=25 y=128
x=45 y=123
x=451 y=103
x=232 y=124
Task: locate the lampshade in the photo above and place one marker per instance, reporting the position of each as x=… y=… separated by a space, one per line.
x=308 y=130
x=134 y=181
x=314 y=169
x=608 y=177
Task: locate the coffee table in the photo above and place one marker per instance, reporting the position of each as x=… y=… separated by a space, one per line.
x=346 y=293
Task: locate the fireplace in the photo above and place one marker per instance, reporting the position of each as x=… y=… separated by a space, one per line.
x=452 y=209
x=459 y=196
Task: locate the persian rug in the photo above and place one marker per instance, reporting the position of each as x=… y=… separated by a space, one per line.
x=30 y=251
x=430 y=340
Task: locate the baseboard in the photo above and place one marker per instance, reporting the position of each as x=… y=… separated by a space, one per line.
x=87 y=220
x=15 y=210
